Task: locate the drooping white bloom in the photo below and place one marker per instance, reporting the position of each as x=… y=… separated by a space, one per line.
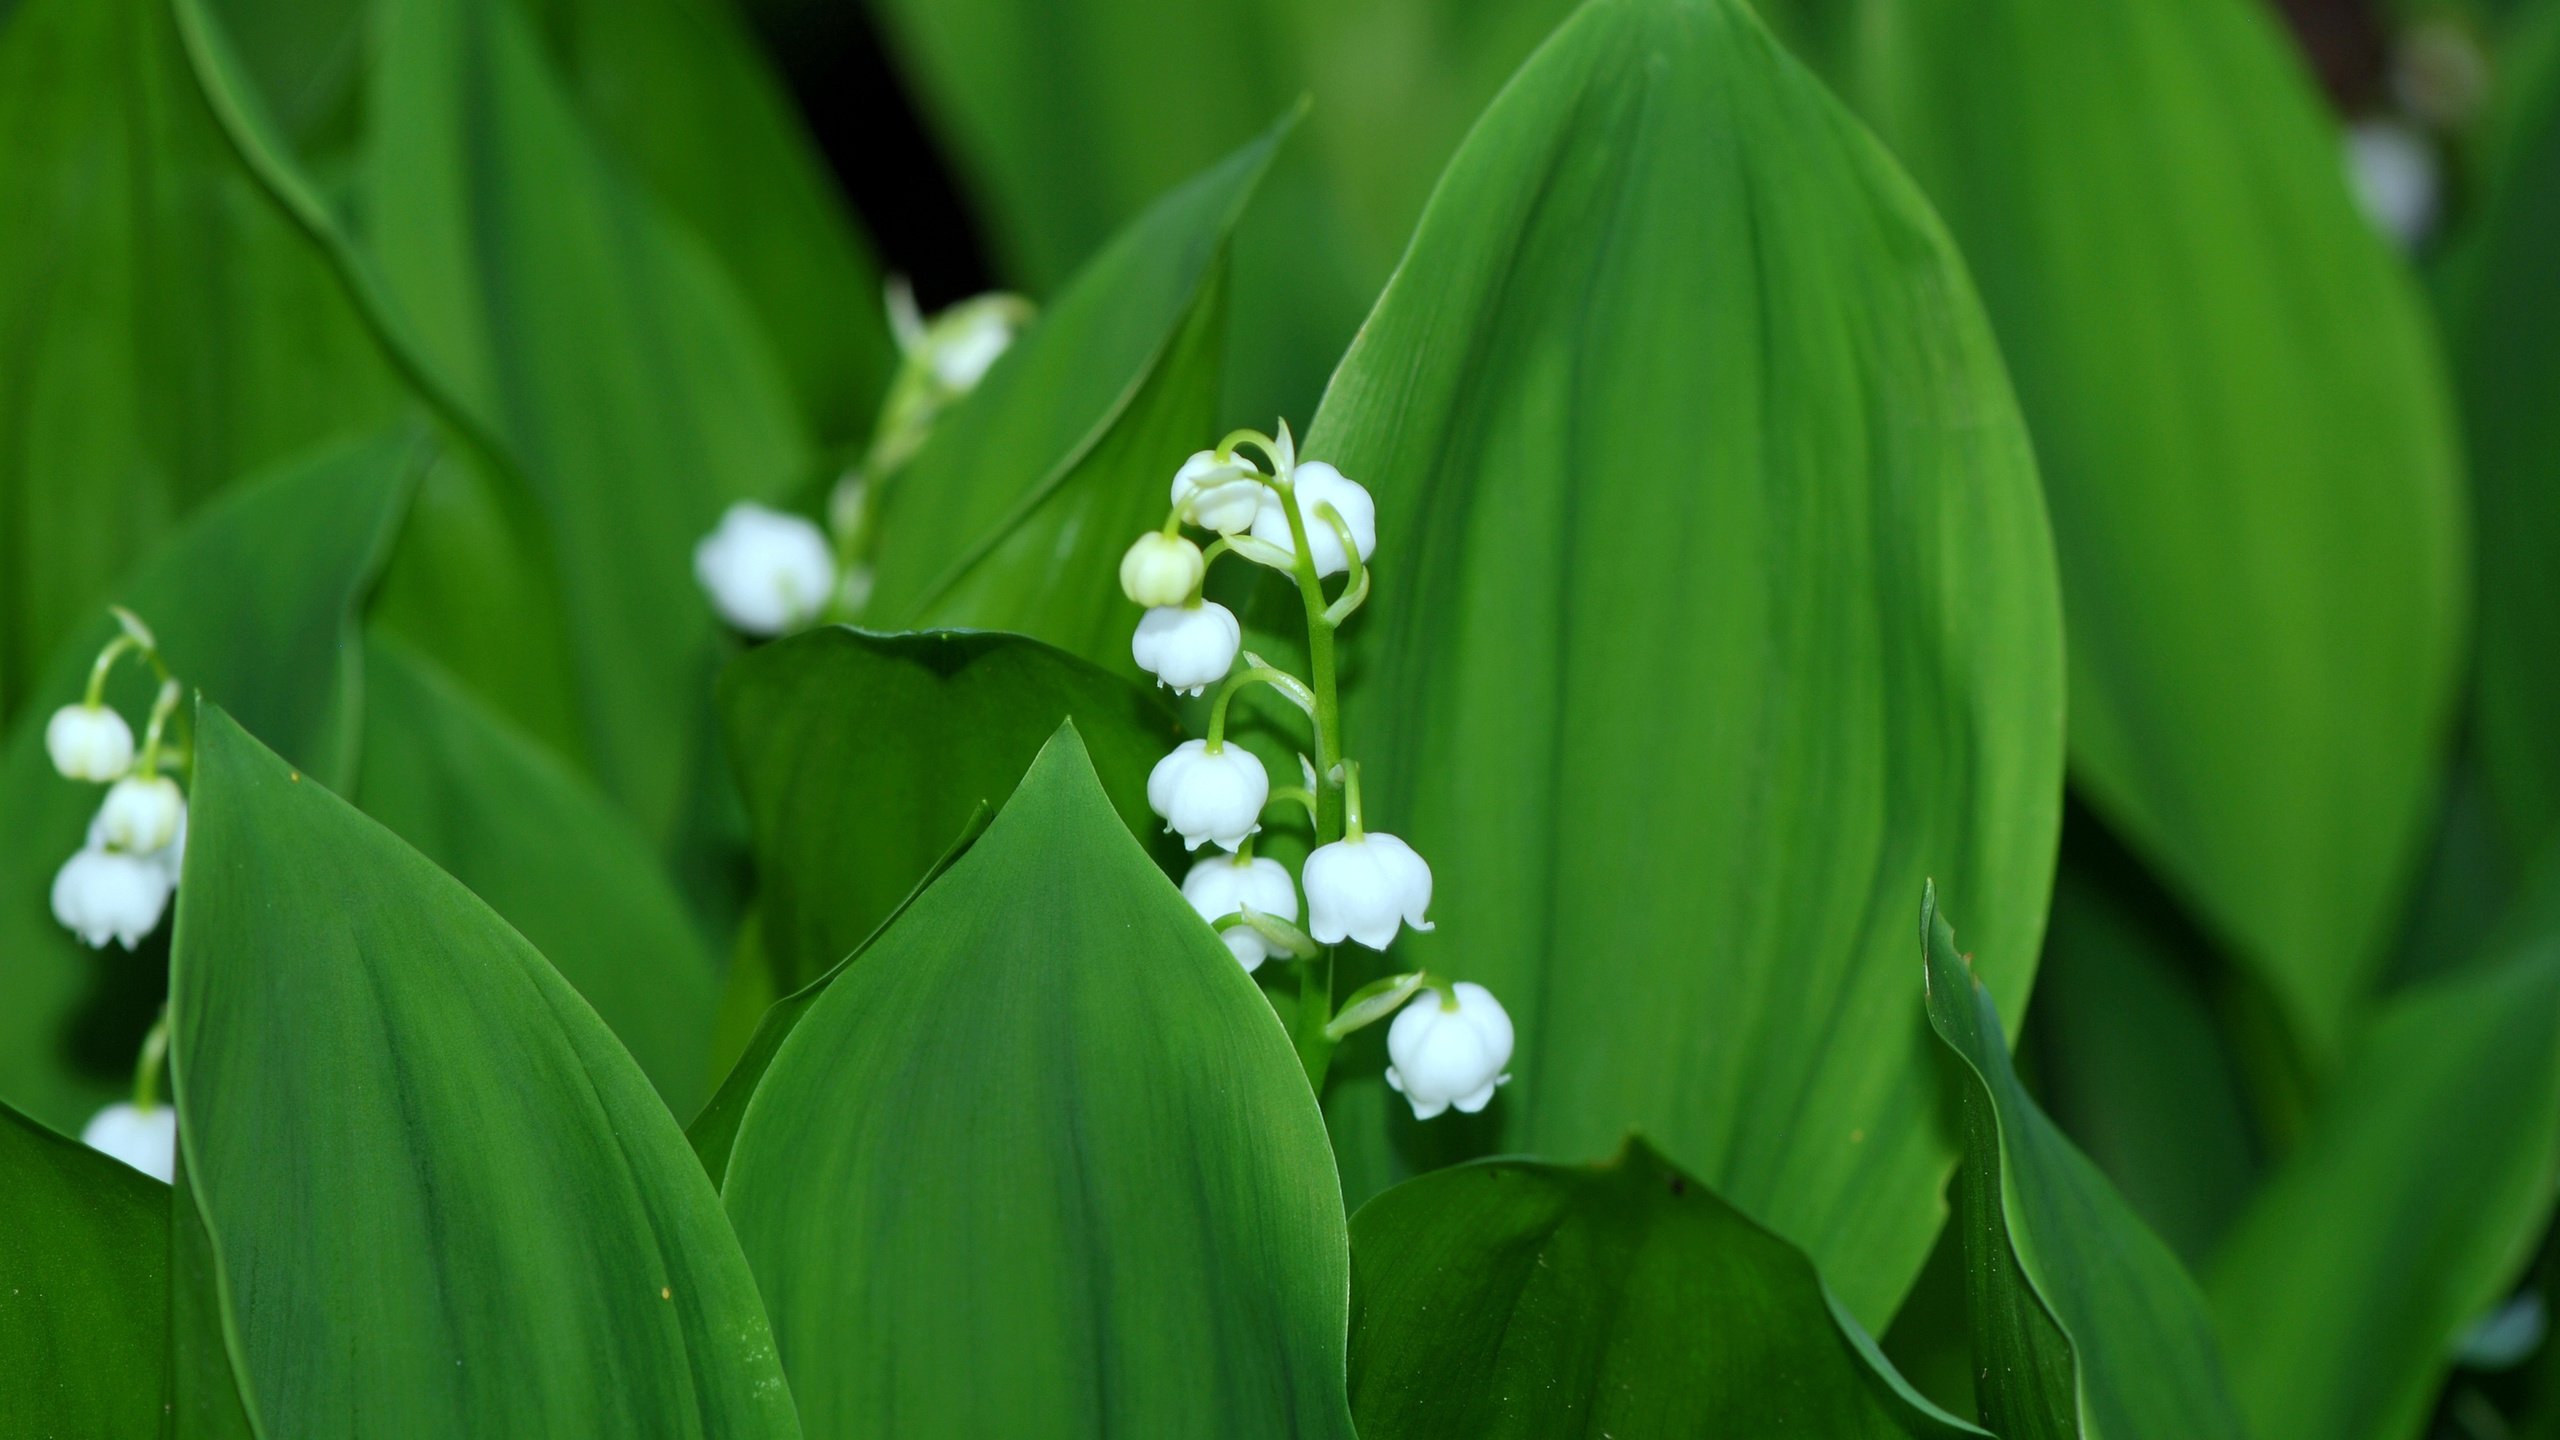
x=141 y=813
x=1361 y=887
x=1187 y=647
x=966 y=342
x=1209 y=795
x=765 y=571
x=89 y=742
x=2395 y=174
x=1442 y=1057
x=1318 y=484
x=1161 y=569
x=147 y=1140
x=101 y=895
x=1223 y=885
x=1221 y=496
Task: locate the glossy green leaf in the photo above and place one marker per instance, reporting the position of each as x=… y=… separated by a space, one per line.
x=861 y=756
x=438 y=1195
x=1713 y=611
x=537 y=843
x=163 y=332
x=1015 y=514
x=2503 y=320
x=2417 y=1194
x=1041 y=1162
x=253 y=603
x=1055 y=113
x=2083 y=1323
x=84 y=1288
x=677 y=89
x=2241 y=423
x=600 y=342
x=1512 y=1298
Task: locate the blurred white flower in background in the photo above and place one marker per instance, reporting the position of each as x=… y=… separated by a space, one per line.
x=2397 y=179
x=89 y=742
x=101 y=895
x=766 y=571
x=147 y=1140
x=141 y=814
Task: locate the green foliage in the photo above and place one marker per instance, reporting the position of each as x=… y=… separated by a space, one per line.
x=254 y=604
x=363 y=1050
x=2083 y=1323
x=939 y=724
x=1041 y=1162
x=1510 y=1298
x=84 y=1260
x=1032 y=486
x=2245 y=445
x=1715 y=611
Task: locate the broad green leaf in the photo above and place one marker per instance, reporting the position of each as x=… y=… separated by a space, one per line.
x=1714 y=610
x=437 y=1194
x=1015 y=514
x=537 y=843
x=253 y=603
x=2083 y=1323
x=2245 y=446
x=677 y=89
x=2130 y=1056
x=1055 y=112
x=164 y=333
x=1514 y=1298
x=84 y=1288
x=862 y=755
x=714 y=1132
x=2417 y=1194
x=1041 y=1162
x=2503 y=321
x=598 y=341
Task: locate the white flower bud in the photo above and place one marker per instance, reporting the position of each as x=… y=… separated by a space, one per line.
x=765 y=571
x=1209 y=795
x=1223 y=885
x=1443 y=1057
x=141 y=814
x=147 y=1140
x=1359 y=888
x=1318 y=484
x=1161 y=569
x=2395 y=175
x=100 y=895
x=1224 y=497
x=1188 y=648
x=89 y=742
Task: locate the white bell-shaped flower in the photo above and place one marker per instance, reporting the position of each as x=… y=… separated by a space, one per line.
x=141 y=814
x=1187 y=647
x=1209 y=795
x=101 y=895
x=147 y=1140
x=966 y=342
x=89 y=742
x=1318 y=484
x=1224 y=885
x=1161 y=569
x=1362 y=886
x=765 y=571
x=1224 y=496
x=1442 y=1057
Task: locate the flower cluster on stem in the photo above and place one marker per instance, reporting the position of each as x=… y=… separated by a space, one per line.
x=769 y=571
x=1305 y=519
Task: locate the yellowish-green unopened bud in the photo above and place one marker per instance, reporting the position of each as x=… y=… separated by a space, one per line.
x=1161 y=570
